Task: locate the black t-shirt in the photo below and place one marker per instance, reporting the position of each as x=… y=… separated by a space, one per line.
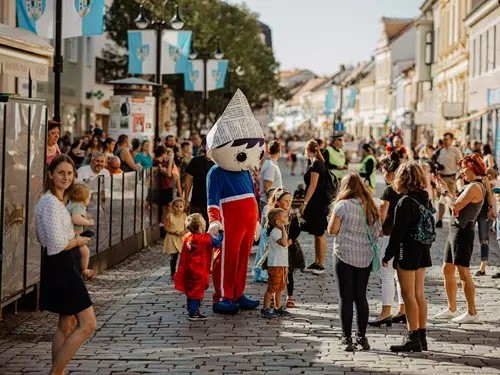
x=317 y=166
x=199 y=167
x=389 y=195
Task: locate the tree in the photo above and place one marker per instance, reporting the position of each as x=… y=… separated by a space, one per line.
x=239 y=34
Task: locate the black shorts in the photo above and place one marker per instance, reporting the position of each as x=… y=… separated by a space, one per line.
x=294 y=157
x=414 y=258
x=459 y=245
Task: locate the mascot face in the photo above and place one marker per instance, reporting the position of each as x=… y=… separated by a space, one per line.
x=239 y=155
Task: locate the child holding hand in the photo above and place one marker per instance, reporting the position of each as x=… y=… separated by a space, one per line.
x=277 y=263
x=175 y=226
x=193 y=275
x=77 y=207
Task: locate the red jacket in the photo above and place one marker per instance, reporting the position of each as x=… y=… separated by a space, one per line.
x=193 y=275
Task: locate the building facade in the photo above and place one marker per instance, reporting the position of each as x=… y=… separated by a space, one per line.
x=484 y=73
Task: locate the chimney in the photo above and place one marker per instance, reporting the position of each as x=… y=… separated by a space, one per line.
x=342 y=67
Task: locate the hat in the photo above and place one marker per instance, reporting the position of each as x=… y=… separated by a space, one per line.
x=337 y=135
x=237 y=122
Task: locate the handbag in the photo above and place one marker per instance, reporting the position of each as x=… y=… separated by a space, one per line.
x=376 y=263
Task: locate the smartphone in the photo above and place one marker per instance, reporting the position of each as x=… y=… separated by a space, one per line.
x=436 y=173
x=87 y=233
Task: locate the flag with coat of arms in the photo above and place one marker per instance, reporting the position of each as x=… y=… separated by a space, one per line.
x=216 y=75
x=79 y=17
x=142 y=51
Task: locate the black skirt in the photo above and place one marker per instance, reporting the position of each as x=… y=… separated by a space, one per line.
x=62 y=290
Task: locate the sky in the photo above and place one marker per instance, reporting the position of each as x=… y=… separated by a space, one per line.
x=320 y=35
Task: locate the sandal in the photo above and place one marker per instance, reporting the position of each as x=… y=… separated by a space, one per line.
x=290 y=304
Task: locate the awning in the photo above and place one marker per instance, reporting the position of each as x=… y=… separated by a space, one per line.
x=24 y=54
x=471 y=117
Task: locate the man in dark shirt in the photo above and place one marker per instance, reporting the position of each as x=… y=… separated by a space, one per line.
x=196 y=179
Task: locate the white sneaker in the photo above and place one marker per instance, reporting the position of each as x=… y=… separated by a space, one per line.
x=447 y=314
x=466 y=318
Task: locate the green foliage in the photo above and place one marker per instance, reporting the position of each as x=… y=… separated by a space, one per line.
x=240 y=38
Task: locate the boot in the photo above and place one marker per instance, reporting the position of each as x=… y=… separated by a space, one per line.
x=411 y=343
x=423 y=338
x=362 y=341
x=346 y=342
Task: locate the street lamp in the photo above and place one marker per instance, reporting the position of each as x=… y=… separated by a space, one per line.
x=176 y=23
x=205 y=55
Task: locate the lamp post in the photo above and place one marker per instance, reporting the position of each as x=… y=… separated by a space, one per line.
x=159 y=25
x=205 y=55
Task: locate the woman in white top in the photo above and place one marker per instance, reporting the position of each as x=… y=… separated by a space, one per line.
x=355 y=222
x=62 y=289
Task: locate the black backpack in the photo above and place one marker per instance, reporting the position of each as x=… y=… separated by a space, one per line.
x=331 y=187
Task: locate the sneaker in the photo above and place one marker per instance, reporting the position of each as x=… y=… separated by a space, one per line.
x=320 y=270
x=267 y=313
x=496 y=276
x=439 y=224
x=197 y=316
x=466 y=318
x=447 y=314
x=311 y=268
x=481 y=273
x=282 y=313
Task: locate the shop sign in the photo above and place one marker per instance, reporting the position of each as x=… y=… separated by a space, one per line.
x=453 y=110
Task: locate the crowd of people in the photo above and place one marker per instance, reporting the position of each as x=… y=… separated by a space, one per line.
x=394 y=238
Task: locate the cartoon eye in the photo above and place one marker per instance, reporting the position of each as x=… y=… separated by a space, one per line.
x=241 y=157
x=261 y=155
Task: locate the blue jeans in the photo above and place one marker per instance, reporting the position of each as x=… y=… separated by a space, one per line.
x=483 y=229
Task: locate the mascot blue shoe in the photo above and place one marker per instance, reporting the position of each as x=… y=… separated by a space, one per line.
x=225 y=307
x=246 y=303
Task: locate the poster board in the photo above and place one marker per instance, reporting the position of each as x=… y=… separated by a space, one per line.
x=132 y=116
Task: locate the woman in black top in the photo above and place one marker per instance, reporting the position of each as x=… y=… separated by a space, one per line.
x=315 y=207
x=411 y=258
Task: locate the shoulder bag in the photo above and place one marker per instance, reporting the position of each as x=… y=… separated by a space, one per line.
x=376 y=263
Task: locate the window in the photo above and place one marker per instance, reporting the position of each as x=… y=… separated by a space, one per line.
x=72 y=50
x=487 y=52
x=436 y=44
x=480 y=53
x=473 y=55
x=428 y=48
x=89 y=53
x=494 y=47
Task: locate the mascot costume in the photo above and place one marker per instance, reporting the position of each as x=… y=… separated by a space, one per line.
x=236 y=145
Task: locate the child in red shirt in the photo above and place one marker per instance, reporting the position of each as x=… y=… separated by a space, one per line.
x=193 y=274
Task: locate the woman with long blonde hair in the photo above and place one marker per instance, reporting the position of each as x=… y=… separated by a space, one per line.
x=355 y=222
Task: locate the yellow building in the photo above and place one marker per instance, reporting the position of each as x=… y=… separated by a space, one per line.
x=451 y=65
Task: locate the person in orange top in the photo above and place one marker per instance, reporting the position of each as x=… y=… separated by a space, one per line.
x=193 y=275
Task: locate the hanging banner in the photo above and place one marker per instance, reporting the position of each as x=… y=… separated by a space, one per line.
x=79 y=17
x=175 y=51
x=193 y=79
x=216 y=75
x=142 y=52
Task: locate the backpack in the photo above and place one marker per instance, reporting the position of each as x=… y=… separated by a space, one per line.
x=331 y=186
x=425 y=231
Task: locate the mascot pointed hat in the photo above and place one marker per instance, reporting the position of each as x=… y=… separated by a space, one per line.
x=237 y=122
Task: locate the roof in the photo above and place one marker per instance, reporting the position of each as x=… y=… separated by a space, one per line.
x=306 y=87
x=16 y=37
x=131 y=81
x=355 y=73
x=394 y=27
x=287 y=74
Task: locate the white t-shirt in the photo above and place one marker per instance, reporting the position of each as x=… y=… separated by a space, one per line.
x=53 y=224
x=448 y=158
x=277 y=255
x=270 y=172
x=86 y=173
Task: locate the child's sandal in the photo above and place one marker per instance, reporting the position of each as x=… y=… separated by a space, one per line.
x=290 y=304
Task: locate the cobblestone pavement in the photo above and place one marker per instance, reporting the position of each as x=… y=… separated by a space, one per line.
x=142 y=328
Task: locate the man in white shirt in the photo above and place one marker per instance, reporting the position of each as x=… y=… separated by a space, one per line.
x=169 y=129
x=270 y=174
x=89 y=173
x=448 y=159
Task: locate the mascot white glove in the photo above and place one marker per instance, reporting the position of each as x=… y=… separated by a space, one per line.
x=258 y=228
x=215 y=227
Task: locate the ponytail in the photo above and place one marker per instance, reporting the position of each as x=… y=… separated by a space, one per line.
x=313 y=147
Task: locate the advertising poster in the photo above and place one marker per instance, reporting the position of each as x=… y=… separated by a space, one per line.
x=132 y=116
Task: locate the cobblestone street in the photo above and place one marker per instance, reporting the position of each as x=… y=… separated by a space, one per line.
x=142 y=328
